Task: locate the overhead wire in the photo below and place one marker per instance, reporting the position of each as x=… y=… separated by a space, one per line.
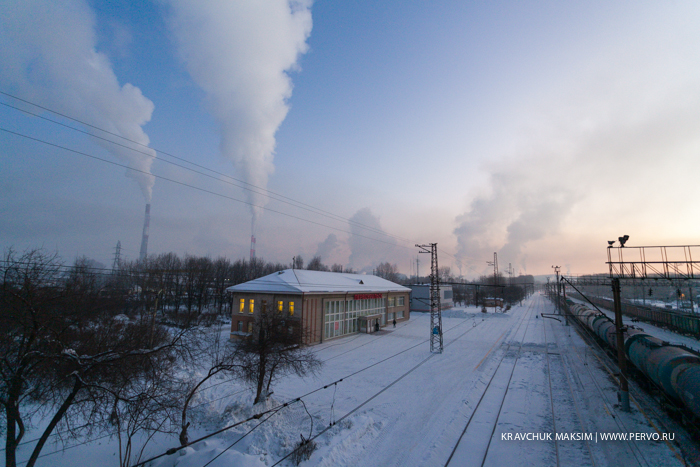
x=296 y=399
x=160 y=177
x=384 y=389
x=253 y=188
x=249 y=187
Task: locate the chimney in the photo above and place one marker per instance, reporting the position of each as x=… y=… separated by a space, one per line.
x=144 y=239
x=252 y=239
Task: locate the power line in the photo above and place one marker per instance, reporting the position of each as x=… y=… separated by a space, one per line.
x=253 y=188
x=292 y=401
x=380 y=392
x=249 y=187
x=261 y=414
x=196 y=187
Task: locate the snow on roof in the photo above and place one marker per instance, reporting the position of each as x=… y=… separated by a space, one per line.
x=297 y=281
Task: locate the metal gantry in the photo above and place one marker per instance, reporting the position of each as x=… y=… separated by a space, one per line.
x=435 y=309
x=663 y=262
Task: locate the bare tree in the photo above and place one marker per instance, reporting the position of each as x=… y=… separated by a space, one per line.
x=143 y=405
x=208 y=349
x=444 y=273
x=316 y=265
x=387 y=271
x=275 y=349
x=337 y=268
x=59 y=351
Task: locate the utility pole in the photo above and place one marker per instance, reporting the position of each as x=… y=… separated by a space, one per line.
x=621 y=358
x=510 y=274
x=417 y=273
x=494 y=263
x=435 y=309
x=563 y=297
x=556 y=271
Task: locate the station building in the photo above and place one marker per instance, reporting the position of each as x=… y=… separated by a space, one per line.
x=420 y=297
x=324 y=305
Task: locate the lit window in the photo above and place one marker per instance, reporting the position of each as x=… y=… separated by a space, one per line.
x=241 y=306
x=291 y=308
x=280 y=306
x=392 y=301
x=252 y=305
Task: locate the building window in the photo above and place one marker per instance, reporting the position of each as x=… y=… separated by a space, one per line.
x=280 y=306
x=341 y=316
x=252 y=305
x=291 y=308
x=241 y=306
x=250 y=327
x=240 y=326
x=392 y=302
x=400 y=301
x=399 y=314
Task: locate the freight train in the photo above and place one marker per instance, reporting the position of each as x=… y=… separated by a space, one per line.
x=674 y=369
x=679 y=321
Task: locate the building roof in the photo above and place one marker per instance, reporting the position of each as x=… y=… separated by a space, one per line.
x=297 y=281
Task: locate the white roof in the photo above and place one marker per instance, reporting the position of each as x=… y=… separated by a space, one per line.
x=297 y=281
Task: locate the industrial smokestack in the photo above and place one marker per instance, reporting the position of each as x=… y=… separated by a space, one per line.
x=144 y=238
x=252 y=240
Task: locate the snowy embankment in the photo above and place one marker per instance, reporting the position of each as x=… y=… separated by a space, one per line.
x=500 y=375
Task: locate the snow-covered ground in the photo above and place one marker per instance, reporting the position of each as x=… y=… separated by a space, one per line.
x=514 y=375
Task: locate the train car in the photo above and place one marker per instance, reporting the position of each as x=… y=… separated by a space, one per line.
x=679 y=320
x=674 y=369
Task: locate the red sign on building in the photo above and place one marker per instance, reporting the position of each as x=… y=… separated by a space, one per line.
x=365 y=296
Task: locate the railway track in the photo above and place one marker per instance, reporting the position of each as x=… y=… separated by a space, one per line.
x=464 y=457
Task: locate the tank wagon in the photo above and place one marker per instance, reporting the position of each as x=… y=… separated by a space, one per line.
x=677 y=320
x=672 y=368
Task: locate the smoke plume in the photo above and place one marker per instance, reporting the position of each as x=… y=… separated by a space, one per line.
x=327 y=247
x=239 y=53
x=523 y=205
x=366 y=253
x=49 y=56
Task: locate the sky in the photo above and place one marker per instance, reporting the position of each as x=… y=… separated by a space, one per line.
x=351 y=130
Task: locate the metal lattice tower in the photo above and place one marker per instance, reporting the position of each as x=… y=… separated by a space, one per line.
x=435 y=309
x=117 y=257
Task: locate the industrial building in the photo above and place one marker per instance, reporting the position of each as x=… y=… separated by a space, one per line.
x=420 y=297
x=325 y=305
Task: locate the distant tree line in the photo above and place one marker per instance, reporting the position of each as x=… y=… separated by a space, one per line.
x=86 y=351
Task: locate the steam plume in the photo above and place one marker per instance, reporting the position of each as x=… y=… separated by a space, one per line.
x=239 y=53
x=49 y=56
x=365 y=252
x=522 y=207
x=327 y=247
